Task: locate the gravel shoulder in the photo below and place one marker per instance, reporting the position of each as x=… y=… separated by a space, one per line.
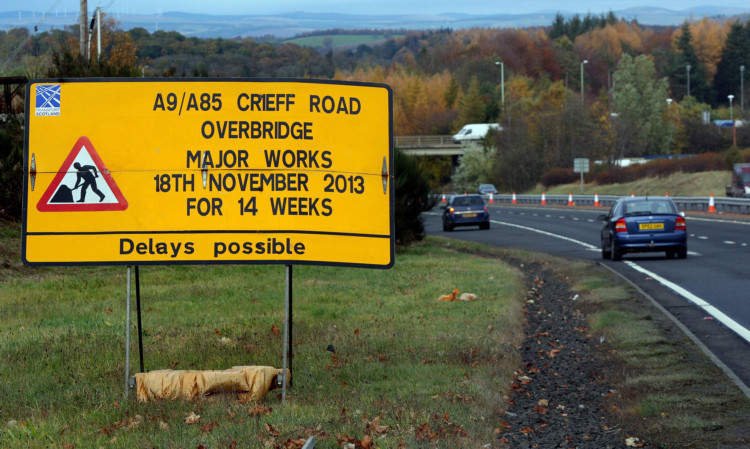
x=635 y=382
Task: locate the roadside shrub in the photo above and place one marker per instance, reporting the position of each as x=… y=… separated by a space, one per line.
x=412 y=191
x=11 y=166
x=558 y=176
x=661 y=168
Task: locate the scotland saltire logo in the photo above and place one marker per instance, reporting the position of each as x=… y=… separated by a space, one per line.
x=47 y=100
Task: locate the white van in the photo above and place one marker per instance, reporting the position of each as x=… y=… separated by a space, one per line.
x=475 y=131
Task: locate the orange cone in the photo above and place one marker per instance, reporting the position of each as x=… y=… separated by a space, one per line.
x=492 y=198
x=596 y=199
x=632 y=194
x=570 y=199
x=544 y=200
x=666 y=194
x=711 y=206
x=514 y=198
x=443 y=199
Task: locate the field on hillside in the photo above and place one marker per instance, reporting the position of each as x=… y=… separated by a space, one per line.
x=340 y=40
x=678 y=184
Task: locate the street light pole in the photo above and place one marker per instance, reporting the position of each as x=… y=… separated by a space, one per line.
x=502 y=82
x=731 y=116
x=585 y=61
x=688 y=79
x=742 y=87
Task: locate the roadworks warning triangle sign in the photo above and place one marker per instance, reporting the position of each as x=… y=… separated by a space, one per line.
x=82 y=184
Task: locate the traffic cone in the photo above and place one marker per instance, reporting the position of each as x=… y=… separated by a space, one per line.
x=544 y=200
x=596 y=199
x=514 y=198
x=570 y=199
x=632 y=194
x=492 y=198
x=443 y=199
x=666 y=194
x=711 y=206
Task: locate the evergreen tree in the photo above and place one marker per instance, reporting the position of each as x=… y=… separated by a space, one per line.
x=736 y=53
x=559 y=27
x=472 y=106
x=679 y=74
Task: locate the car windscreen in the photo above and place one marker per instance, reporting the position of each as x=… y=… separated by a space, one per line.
x=648 y=207
x=468 y=201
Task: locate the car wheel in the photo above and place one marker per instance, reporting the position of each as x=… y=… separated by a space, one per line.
x=606 y=254
x=682 y=253
x=671 y=254
x=484 y=225
x=616 y=253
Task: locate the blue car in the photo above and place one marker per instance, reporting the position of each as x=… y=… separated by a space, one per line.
x=465 y=210
x=644 y=224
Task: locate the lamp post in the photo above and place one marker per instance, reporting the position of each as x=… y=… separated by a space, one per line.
x=731 y=117
x=742 y=87
x=585 y=61
x=502 y=82
x=688 y=79
x=669 y=102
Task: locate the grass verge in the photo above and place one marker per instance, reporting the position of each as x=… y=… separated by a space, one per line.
x=408 y=370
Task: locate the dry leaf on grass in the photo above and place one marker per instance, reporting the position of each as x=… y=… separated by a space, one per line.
x=192 y=418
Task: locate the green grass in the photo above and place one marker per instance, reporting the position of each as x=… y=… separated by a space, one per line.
x=428 y=369
x=435 y=373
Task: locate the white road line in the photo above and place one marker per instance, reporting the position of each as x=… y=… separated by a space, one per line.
x=729 y=242
x=562 y=237
x=702 y=237
x=711 y=310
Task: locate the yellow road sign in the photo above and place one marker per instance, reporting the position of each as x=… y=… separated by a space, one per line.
x=152 y=171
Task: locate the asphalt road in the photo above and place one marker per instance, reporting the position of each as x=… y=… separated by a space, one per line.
x=709 y=292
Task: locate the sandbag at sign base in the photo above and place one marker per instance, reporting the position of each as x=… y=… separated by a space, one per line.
x=251 y=383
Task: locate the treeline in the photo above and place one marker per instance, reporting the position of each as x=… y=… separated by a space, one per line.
x=594 y=87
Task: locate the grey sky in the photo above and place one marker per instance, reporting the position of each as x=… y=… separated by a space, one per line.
x=359 y=6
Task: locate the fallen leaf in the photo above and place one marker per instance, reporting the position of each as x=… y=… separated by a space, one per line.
x=163 y=425
x=543 y=402
x=631 y=442
x=258 y=410
x=270 y=429
x=209 y=427
x=192 y=418
x=366 y=442
x=276 y=330
x=375 y=427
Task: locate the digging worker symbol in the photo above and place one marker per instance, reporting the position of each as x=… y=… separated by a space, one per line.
x=87 y=175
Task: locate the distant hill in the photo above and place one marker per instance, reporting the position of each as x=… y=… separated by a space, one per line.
x=291 y=24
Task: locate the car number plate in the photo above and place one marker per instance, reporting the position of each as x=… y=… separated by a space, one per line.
x=650 y=226
x=469 y=215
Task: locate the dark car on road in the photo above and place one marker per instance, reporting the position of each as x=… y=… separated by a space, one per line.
x=465 y=210
x=486 y=189
x=644 y=224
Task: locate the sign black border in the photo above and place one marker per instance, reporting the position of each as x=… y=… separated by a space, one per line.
x=26 y=175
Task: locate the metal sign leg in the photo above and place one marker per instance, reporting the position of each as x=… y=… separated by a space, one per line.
x=288 y=355
x=138 y=309
x=127 y=335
